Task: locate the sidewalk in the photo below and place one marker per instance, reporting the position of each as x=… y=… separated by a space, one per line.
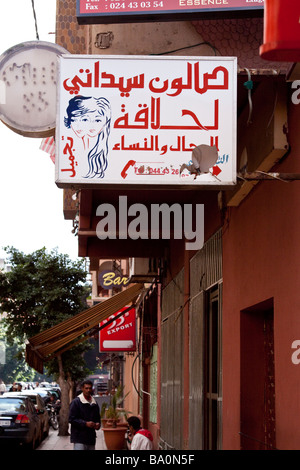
x=55 y=442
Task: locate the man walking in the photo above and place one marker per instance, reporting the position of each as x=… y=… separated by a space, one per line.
x=84 y=417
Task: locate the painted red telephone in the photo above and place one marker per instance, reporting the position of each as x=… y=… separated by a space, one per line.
x=128 y=165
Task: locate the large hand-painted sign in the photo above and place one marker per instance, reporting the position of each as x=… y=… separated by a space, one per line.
x=110 y=9
x=136 y=120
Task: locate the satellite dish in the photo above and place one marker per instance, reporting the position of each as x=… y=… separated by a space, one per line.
x=28 y=77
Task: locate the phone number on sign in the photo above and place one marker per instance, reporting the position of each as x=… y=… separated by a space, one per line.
x=144 y=169
x=133 y=5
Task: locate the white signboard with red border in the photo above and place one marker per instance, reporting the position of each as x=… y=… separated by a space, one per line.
x=135 y=120
x=120 y=335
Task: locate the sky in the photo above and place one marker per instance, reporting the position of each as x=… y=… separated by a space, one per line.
x=31 y=205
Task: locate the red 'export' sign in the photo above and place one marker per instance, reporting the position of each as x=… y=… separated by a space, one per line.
x=111 y=8
x=120 y=335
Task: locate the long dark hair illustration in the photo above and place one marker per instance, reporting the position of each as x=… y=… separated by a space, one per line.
x=90 y=119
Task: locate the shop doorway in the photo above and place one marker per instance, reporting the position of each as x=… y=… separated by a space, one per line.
x=213 y=371
x=258 y=425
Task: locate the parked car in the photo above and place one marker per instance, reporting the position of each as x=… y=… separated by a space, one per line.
x=44 y=384
x=39 y=405
x=19 y=421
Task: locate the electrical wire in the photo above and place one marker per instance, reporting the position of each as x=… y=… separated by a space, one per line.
x=249 y=86
x=272 y=175
x=188 y=47
x=132 y=378
x=138 y=348
x=35 y=20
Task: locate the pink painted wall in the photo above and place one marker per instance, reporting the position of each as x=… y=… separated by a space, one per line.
x=261 y=260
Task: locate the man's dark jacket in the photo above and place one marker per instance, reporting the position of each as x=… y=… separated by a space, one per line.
x=82 y=411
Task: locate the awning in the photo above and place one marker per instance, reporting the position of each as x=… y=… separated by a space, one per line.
x=62 y=336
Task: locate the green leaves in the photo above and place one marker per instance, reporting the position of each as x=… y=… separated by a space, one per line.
x=41 y=290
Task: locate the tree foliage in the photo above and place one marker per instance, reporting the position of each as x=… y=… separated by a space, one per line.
x=15 y=369
x=41 y=290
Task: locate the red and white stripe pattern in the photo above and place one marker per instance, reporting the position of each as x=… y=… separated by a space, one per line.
x=48 y=145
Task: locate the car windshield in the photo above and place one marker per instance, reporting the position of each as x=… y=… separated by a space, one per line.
x=13 y=405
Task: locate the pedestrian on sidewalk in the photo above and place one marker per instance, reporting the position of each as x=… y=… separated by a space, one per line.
x=84 y=417
x=2 y=387
x=141 y=439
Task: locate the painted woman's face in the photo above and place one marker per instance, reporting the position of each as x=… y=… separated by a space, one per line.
x=95 y=124
x=78 y=126
x=90 y=124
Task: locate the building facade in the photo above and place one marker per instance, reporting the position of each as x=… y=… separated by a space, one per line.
x=217 y=327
